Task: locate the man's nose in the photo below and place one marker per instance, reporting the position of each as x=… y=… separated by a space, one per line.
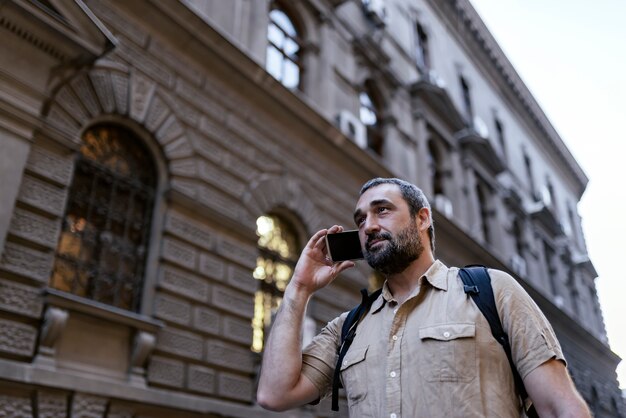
x=371 y=225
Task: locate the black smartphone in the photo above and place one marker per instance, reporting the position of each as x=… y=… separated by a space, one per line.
x=344 y=246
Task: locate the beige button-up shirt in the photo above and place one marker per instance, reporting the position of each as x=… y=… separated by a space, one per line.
x=434 y=355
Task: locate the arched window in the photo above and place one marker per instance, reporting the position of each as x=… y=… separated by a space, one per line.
x=101 y=253
x=278 y=254
x=283 y=60
x=370 y=116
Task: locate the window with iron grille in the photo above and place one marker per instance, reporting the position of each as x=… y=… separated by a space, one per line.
x=101 y=254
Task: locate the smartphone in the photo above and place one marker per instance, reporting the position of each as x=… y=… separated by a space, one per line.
x=344 y=246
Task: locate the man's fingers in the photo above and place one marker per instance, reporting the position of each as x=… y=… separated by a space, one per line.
x=316 y=237
x=344 y=265
x=320 y=236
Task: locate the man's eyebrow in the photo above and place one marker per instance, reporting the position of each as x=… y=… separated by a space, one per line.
x=372 y=204
x=379 y=202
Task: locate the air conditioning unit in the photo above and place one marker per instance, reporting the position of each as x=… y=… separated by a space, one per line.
x=546 y=196
x=353 y=128
x=376 y=11
x=518 y=265
x=480 y=127
x=444 y=205
x=436 y=79
x=559 y=301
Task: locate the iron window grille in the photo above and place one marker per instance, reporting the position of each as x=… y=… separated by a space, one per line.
x=101 y=254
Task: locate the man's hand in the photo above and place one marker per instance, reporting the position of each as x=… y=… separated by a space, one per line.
x=315 y=270
x=281 y=384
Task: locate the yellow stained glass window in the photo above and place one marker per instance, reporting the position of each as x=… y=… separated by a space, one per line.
x=278 y=253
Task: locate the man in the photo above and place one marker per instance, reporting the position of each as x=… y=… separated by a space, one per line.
x=423 y=349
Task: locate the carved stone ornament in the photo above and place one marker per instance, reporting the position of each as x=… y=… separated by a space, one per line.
x=143 y=347
x=54 y=324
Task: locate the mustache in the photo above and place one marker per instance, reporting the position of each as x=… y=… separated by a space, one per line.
x=376 y=236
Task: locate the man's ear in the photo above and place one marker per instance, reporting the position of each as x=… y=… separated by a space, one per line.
x=423 y=219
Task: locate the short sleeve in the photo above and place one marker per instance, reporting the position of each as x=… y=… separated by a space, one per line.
x=320 y=356
x=533 y=341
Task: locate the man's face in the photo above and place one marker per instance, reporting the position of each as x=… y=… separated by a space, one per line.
x=390 y=237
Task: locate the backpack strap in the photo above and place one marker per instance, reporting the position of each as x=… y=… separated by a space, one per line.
x=348 y=332
x=477 y=284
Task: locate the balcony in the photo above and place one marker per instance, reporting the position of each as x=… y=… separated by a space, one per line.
x=474 y=140
x=543 y=213
x=431 y=90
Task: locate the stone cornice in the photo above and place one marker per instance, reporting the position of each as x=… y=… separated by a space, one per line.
x=474 y=30
x=74 y=36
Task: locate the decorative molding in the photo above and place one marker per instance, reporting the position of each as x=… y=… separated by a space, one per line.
x=110 y=88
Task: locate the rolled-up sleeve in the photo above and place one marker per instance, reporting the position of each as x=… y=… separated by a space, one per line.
x=320 y=356
x=533 y=341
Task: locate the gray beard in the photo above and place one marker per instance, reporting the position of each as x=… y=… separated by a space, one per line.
x=399 y=252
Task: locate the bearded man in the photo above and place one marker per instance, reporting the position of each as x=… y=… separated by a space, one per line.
x=423 y=349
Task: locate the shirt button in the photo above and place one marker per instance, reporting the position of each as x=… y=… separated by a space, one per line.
x=345 y=362
x=392 y=374
x=392 y=416
x=395 y=311
x=395 y=338
x=446 y=334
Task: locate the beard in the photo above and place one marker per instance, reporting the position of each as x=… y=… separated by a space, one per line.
x=399 y=252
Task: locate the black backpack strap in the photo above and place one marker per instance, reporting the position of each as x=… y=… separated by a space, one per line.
x=477 y=284
x=348 y=331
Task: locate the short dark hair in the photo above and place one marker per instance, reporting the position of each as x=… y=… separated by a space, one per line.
x=412 y=195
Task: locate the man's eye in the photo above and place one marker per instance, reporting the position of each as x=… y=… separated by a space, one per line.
x=360 y=220
x=382 y=209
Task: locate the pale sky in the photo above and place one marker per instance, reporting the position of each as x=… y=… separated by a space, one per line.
x=572 y=56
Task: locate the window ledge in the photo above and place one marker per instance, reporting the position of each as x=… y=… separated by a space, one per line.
x=100 y=310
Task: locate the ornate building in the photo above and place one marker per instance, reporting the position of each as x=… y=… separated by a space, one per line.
x=163 y=163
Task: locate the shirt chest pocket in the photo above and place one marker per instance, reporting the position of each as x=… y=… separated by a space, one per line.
x=448 y=352
x=354 y=374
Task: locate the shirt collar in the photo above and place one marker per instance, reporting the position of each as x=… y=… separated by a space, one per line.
x=436 y=275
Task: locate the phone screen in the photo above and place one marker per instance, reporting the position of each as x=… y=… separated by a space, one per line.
x=344 y=246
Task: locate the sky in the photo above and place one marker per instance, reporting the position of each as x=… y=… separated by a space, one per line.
x=572 y=56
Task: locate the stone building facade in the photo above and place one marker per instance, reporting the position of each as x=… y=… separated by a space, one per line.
x=162 y=163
